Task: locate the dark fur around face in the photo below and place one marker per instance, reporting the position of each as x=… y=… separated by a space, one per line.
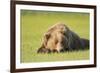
x=59 y=38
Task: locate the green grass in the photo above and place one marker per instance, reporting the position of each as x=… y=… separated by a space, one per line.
x=35 y=23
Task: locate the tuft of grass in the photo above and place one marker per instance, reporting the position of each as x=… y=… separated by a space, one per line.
x=35 y=23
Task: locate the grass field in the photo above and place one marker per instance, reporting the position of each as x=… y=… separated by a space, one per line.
x=35 y=23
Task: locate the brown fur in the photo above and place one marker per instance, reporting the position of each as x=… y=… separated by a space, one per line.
x=60 y=38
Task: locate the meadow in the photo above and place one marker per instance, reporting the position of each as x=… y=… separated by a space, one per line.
x=35 y=23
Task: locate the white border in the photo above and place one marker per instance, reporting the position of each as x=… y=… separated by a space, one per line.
x=52 y=64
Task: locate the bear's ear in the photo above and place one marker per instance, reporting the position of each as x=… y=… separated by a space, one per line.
x=45 y=39
x=47 y=36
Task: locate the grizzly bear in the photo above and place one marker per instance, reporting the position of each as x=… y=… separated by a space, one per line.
x=59 y=38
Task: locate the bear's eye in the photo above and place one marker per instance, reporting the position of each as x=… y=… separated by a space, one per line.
x=56 y=41
x=63 y=33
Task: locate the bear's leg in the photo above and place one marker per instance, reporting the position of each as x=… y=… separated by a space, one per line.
x=43 y=50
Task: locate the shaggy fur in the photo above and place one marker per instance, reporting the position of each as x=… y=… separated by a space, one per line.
x=60 y=38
